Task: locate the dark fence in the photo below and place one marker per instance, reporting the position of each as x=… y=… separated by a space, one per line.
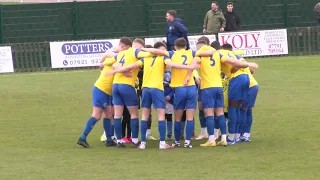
x=36 y=56
x=136 y=18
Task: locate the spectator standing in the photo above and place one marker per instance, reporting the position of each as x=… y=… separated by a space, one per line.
x=232 y=18
x=317 y=10
x=214 y=21
x=175 y=30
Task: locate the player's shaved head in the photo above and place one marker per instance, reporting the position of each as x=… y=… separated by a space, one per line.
x=124 y=44
x=160 y=44
x=126 y=41
x=138 y=40
x=200 y=44
x=216 y=45
x=205 y=39
x=149 y=46
x=180 y=43
x=138 y=43
x=227 y=47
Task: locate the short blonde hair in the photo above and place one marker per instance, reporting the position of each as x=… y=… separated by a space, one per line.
x=140 y=41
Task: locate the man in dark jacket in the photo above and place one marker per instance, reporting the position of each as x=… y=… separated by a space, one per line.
x=232 y=18
x=175 y=29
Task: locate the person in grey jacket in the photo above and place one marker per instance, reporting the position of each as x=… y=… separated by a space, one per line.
x=214 y=21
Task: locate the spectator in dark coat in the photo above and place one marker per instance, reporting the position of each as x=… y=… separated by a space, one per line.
x=175 y=30
x=232 y=18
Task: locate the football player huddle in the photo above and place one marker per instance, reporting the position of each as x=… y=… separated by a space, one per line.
x=213 y=79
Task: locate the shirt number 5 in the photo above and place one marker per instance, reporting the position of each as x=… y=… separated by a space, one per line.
x=213 y=62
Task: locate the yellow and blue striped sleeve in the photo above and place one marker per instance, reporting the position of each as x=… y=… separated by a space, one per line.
x=238 y=57
x=166 y=59
x=140 y=54
x=169 y=53
x=110 y=61
x=238 y=52
x=197 y=54
x=141 y=62
x=194 y=53
x=225 y=56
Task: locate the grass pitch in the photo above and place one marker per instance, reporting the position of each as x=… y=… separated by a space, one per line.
x=43 y=114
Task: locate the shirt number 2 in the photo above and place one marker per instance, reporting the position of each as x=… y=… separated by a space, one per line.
x=184 y=57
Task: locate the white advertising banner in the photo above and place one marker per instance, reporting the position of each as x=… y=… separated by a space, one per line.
x=257 y=43
x=152 y=41
x=79 y=53
x=6 y=63
x=192 y=40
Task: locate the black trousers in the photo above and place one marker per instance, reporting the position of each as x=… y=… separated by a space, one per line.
x=169 y=117
x=184 y=116
x=126 y=123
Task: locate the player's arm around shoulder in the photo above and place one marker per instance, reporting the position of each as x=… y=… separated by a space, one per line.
x=252 y=66
x=141 y=54
x=110 y=53
x=125 y=70
x=240 y=64
x=155 y=51
x=230 y=59
x=107 y=54
x=107 y=62
x=207 y=53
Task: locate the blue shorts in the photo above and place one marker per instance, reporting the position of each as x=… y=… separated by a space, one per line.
x=185 y=98
x=124 y=95
x=251 y=97
x=153 y=96
x=212 y=98
x=238 y=87
x=100 y=99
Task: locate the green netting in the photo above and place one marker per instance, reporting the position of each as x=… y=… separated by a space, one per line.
x=96 y=20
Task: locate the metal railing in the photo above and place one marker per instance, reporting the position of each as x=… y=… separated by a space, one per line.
x=28 y=57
